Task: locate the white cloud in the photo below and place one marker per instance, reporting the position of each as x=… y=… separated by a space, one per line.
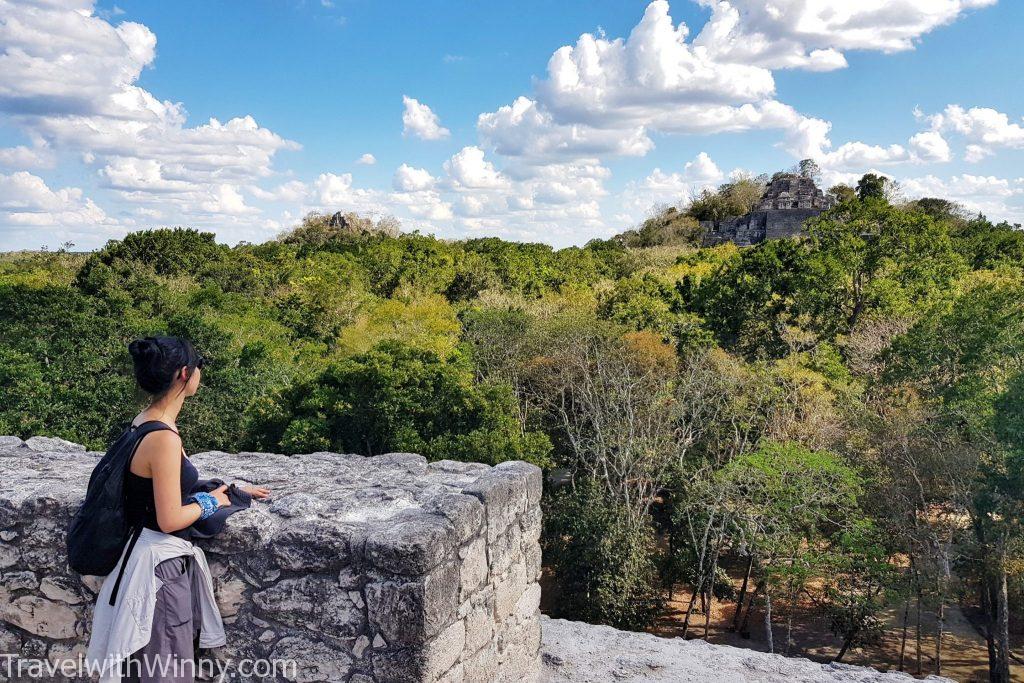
x=409 y=179
x=930 y=146
x=603 y=96
x=148 y=175
x=336 y=193
x=813 y=35
x=659 y=187
x=367 y=160
x=420 y=121
x=810 y=139
x=294 y=191
x=27 y=202
x=998 y=198
x=22 y=157
x=68 y=80
x=985 y=128
x=524 y=129
x=469 y=169
x=225 y=199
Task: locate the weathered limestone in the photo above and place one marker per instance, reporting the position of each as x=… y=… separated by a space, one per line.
x=360 y=569
x=575 y=652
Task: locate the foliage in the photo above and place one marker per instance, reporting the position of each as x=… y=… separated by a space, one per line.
x=603 y=560
x=398 y=398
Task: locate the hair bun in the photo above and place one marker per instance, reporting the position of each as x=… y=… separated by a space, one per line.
x=143 y=349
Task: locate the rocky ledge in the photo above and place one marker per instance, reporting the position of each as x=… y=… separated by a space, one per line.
x=575 y=652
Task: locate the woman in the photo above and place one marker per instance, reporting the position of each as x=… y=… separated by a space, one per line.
x=157 y=605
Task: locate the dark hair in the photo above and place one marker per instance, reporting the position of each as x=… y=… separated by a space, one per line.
x=157 y=361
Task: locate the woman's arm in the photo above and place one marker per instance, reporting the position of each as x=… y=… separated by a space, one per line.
x=163 y=455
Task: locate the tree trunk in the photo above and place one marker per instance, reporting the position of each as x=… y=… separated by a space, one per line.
x=750 y=607
x=847 y=641
x=1003 y=632
x=743 y=594
x=710 y=590
x=988 y=603
x=903 y=640
x=940 y=626
x=689 y=608
x=768 y=619
x=920 y=668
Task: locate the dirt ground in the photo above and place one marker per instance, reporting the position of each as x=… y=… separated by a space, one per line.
x=964 y=658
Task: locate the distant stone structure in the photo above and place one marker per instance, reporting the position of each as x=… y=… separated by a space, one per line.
x=787 y=202
x=360 y=570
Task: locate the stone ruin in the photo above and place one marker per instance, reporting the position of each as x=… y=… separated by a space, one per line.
x=792 y=191
x=788 y=201
x=360 y=570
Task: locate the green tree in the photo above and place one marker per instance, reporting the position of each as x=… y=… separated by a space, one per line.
x=603 y=558
x=398 y=398
x=871 y=186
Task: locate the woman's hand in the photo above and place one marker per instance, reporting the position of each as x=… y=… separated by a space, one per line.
x=257 y=492
x=220 y=493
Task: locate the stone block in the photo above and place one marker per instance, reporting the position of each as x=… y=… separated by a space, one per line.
x=482 y=665
x=532 y=475
x=472 y=568
x=465 y=513
x=411 y=612
x=50 y=444
x=314 y=603
x=412 y=545
x=504 y=496
x=10 y=442
x=38 y=616
x=508 y=590
x=479 y=625
x=505 y=550
x=315 y=546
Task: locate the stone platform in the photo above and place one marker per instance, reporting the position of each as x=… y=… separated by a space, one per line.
x=360 y=569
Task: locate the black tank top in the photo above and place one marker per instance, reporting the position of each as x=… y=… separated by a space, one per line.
x=139 y=504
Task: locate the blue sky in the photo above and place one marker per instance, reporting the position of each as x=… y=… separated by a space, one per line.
x=554 y=121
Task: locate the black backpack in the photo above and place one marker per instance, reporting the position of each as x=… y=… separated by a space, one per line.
x=99 y=530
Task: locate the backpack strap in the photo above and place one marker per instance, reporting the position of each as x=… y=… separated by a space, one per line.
x=139 y=431
x=136 y=532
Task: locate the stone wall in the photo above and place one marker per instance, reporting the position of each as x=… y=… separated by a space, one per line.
x=361 y=569
x=757 y=226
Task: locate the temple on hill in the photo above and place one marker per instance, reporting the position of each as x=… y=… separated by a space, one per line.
x=788 y=201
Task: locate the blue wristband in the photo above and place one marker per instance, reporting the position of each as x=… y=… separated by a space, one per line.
x=206 y=501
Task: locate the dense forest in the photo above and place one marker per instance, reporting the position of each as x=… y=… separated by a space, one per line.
x=832 y=424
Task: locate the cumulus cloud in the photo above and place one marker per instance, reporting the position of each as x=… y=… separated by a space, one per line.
x=998 y=198
x=22 y=156
x=335 y=192
x=813 y=35
x=367 y=160
x=68 y=79
x=986 y=129
x=410 y=179
x=28 y=204
x=675 y=187
x=469 y=169
x=418 y=120
x=293 y=192
x=810 y=139
x=225 y=199
x=604 y=96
